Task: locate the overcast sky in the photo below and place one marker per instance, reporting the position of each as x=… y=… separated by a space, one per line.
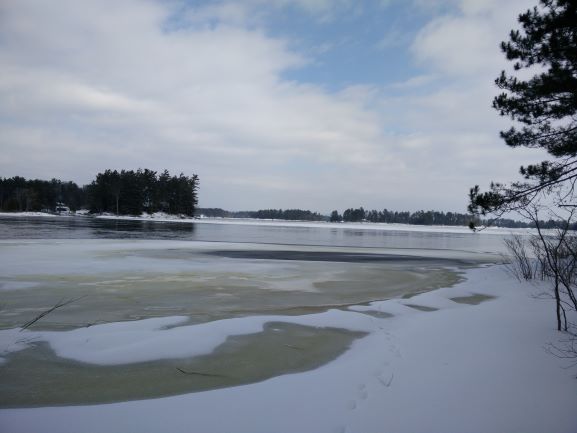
x=315 y=104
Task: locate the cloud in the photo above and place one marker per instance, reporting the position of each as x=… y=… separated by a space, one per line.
x=107 y=79
x=86 y=86
x=466 y=43
x=448 y=106
x=457 y=46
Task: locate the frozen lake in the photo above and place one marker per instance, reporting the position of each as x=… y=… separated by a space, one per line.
x=197 y=306
x=259 y=232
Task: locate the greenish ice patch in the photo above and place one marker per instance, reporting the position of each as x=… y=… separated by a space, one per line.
x=204 y=296
x=37 y=377
x=474 y=299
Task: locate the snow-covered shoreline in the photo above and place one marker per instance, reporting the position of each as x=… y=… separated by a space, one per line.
x=163 y=217
x=461 y=368
x=31 y=214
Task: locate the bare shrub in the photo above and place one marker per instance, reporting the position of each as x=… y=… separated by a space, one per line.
x=551 y=255
x=521 y=265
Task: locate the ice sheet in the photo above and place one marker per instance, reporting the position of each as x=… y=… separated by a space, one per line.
x=461 y=368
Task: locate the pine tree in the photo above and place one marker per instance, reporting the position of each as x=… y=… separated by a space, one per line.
x=335 y=217
x=545 y=105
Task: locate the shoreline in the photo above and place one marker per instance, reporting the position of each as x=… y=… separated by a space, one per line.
x=165 y=218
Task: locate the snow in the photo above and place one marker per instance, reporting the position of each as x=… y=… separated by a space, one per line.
x=32 y=214
x=463 y=369
x=163 y=217
x=361 y=226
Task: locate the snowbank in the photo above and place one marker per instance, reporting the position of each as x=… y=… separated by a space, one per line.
x=33 y=214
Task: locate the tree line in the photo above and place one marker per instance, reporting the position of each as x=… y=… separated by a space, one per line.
x=18 y=194
x=432 y=217
x=280 y=214
x=125 y=192
x=373 y=216
x=288 y=214
x=394 y=217
x=131 y=192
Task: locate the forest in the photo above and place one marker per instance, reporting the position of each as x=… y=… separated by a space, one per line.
x=18 y=194
x=125 y=192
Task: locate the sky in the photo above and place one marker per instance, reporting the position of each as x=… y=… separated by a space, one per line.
x=311 y=104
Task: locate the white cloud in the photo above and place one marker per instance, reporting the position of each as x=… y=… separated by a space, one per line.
x=467 y=43
x=105 y=79
x=86 y=86
x=457 y=46
x=448 y=108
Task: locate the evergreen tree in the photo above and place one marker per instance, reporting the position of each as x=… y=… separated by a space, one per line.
x=131 y=191
x=354 y=215
x=162 y=192
x=335 y=217
x=545 y=105
x=148 y=184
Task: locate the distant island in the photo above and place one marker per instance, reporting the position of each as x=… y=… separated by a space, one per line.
x=125 y=192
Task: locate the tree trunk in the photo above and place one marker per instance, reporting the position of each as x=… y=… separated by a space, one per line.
x=558 y=302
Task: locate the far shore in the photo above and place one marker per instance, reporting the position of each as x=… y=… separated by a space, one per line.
x=164 y=217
